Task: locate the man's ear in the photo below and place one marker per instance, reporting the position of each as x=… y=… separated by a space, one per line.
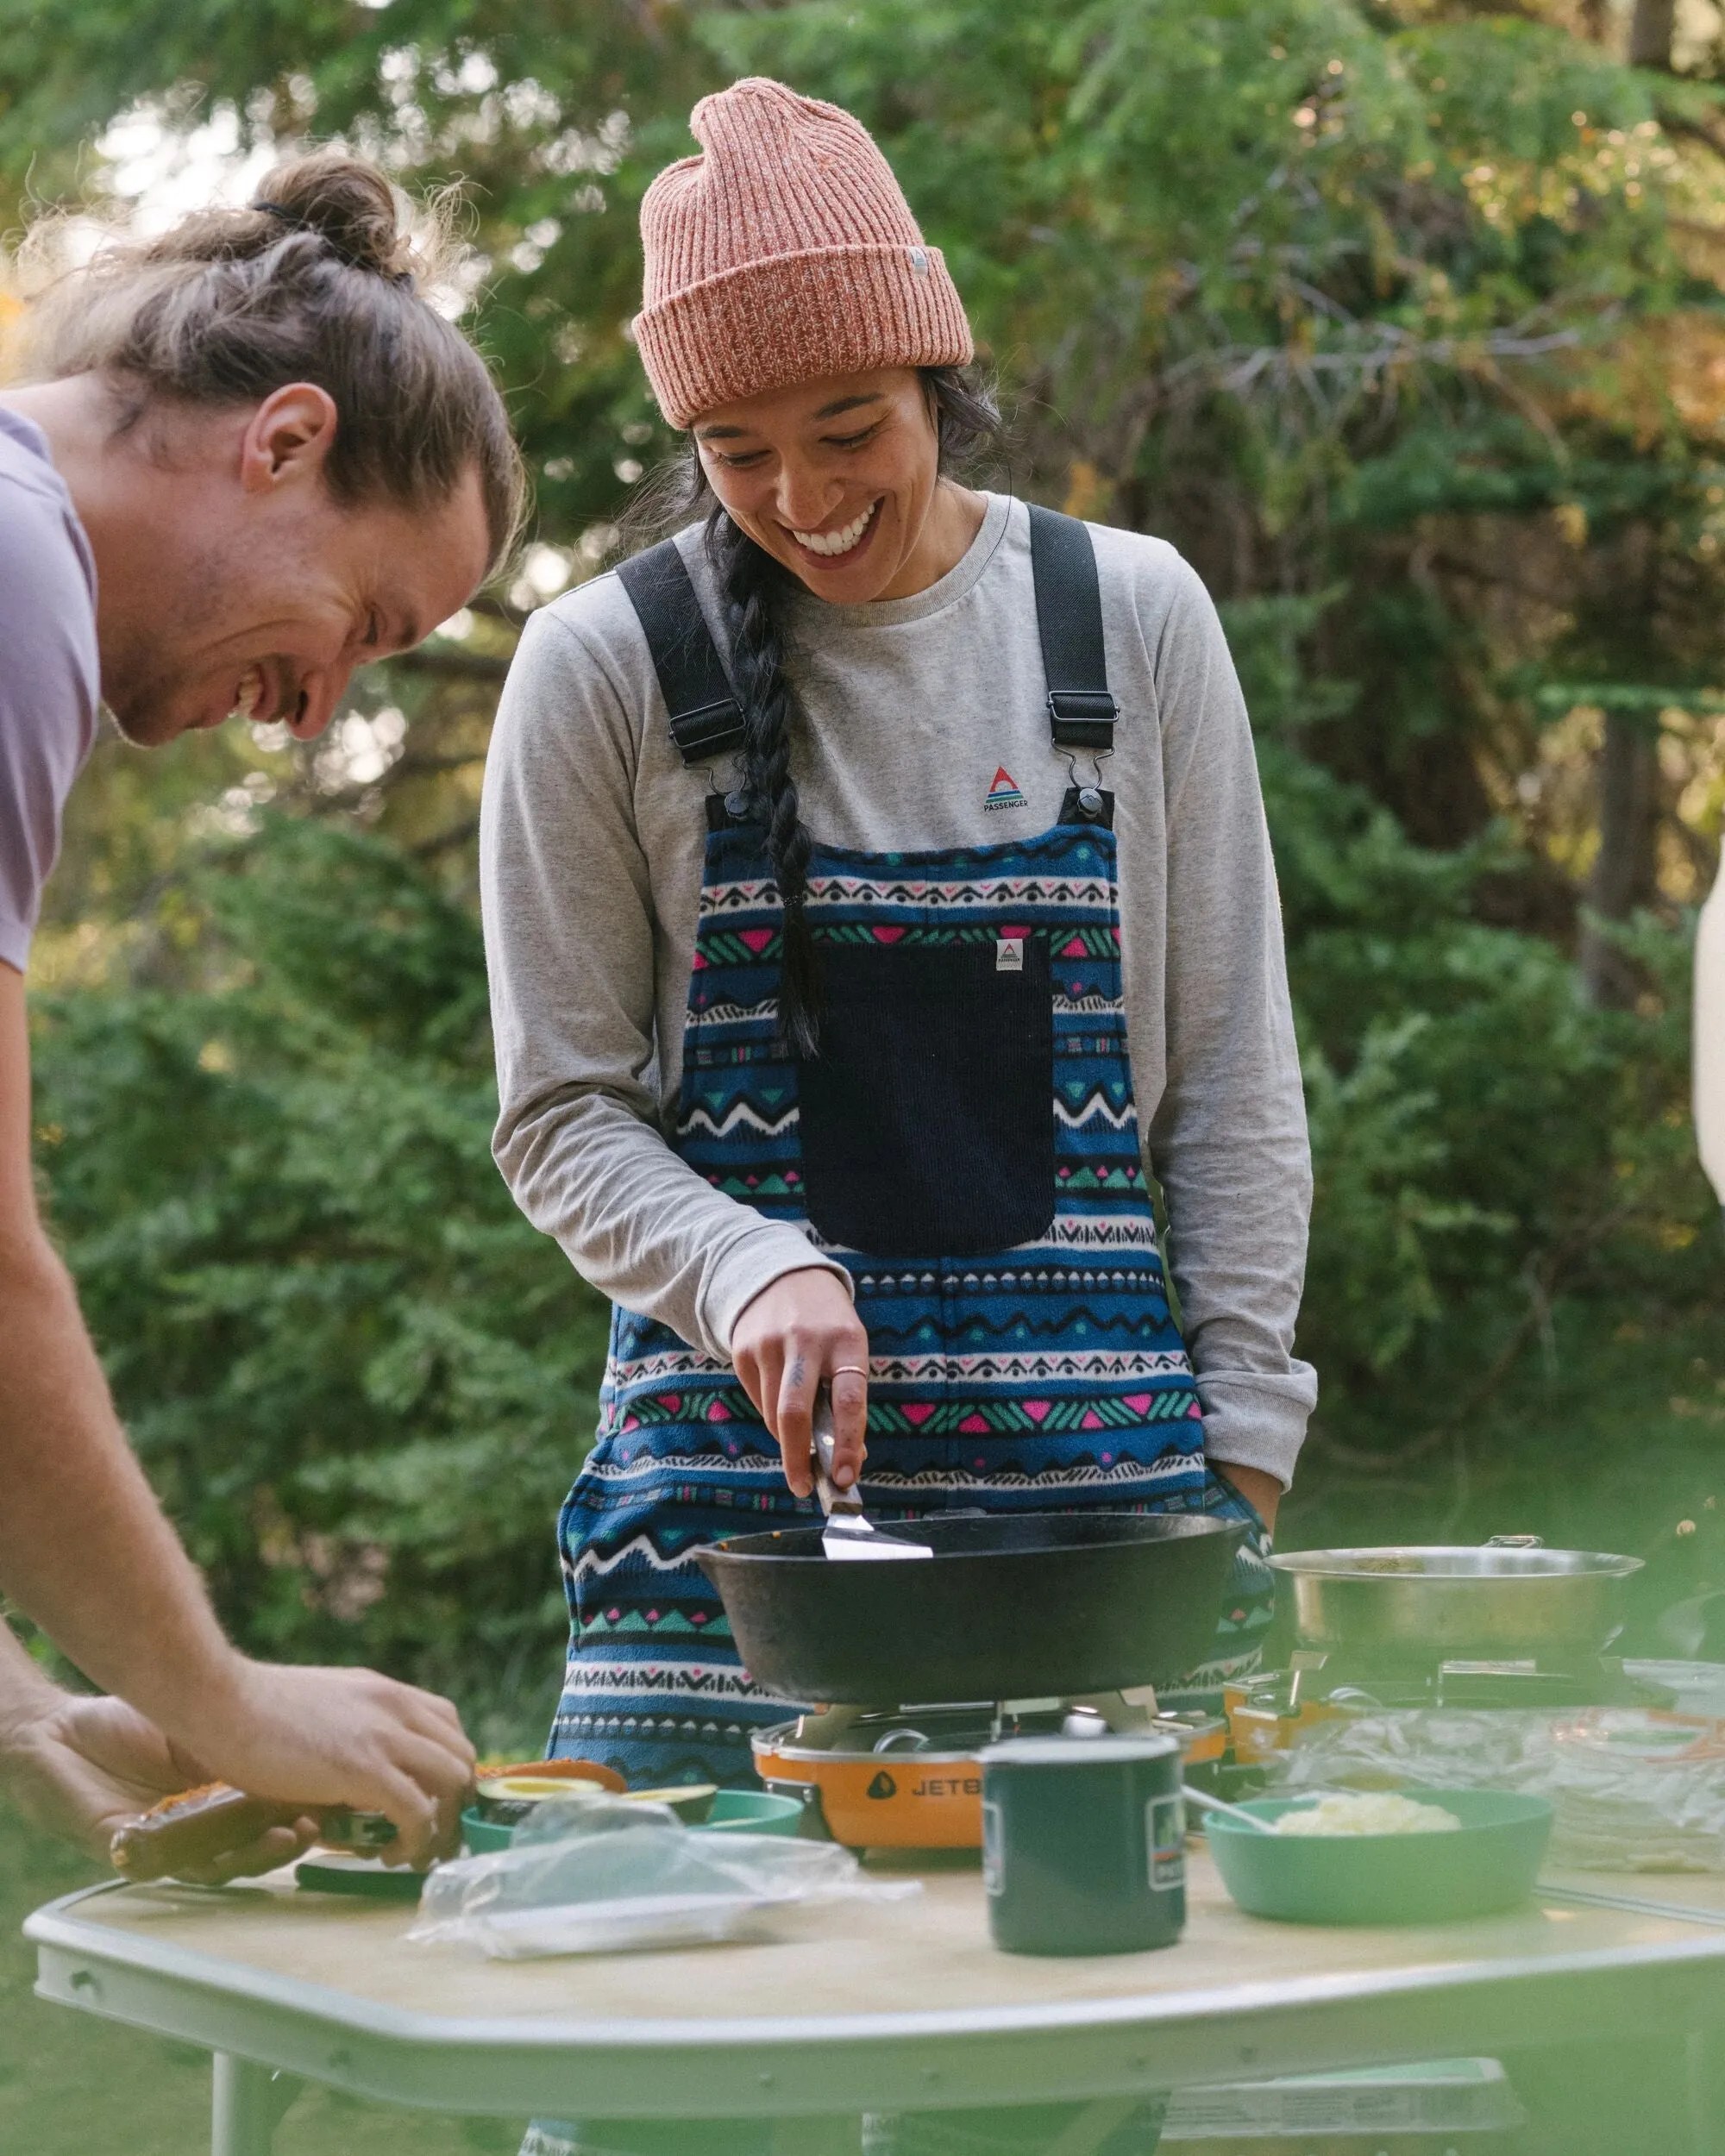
x=288 y=437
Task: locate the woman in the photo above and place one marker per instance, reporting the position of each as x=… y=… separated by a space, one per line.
x=867 y=872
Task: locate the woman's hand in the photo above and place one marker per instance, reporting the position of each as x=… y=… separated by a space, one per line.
x=1261 y=1491
x=801 y=1329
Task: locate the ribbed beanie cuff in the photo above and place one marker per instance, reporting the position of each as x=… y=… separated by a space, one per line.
x=785 y=253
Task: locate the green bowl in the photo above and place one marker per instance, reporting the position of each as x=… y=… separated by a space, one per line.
x=1490 y=1864
x=752 y=1812
x=480 y=1836
x=732 y=1811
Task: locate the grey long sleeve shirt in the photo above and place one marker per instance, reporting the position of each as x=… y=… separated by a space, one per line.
x=591 y=839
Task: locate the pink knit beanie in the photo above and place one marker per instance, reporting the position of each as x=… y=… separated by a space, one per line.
x=786 y=253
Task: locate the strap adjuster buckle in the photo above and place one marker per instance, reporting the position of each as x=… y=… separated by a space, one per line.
x=1083 y=718
x=1091 y=705
x=708 y=730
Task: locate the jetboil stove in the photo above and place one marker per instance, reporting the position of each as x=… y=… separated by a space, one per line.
x=1266 y=1712
x=911 y=1777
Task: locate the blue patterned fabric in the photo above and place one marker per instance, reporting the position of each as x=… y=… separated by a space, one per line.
x=1050 y=1376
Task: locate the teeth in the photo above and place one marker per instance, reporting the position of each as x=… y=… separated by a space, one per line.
x=832 y=542
x=250 y=692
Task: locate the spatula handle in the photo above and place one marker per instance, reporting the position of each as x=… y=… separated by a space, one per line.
x=831 y=1497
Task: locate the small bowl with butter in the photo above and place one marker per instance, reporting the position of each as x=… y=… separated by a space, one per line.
x=1382 y=1857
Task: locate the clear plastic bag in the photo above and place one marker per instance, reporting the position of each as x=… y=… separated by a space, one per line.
x=1635 y=1790
x=597 y=1874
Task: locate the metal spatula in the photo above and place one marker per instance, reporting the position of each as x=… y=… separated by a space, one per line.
x=847 y=1532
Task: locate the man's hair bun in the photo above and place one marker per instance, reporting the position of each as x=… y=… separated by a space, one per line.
x=344 y=201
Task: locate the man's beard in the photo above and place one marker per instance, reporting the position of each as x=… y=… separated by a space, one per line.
x=154 y=701
x=146 y=714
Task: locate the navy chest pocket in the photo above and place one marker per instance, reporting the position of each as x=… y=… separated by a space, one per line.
x=927 y=1120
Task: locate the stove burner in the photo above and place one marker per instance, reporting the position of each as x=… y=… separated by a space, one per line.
x=969 y=1725
x=1355 y=1678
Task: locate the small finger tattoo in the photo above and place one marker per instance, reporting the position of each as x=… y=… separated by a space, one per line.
x=799 y=1371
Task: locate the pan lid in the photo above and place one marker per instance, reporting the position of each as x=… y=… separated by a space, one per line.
x=1077 y=1752
x=1452 y=1561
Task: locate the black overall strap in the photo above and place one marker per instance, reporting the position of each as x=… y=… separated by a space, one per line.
x=1069 y=619
x=705 y=723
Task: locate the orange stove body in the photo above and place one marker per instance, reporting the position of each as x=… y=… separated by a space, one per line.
x=904 y=1799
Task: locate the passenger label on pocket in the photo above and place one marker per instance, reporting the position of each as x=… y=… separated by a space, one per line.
x=1009 y=954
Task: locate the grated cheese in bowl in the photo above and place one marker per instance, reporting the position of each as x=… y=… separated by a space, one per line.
x=1375 y=1812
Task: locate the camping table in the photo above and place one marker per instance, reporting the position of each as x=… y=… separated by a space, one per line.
x=900 y=2007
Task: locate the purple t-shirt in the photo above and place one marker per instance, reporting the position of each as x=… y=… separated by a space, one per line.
x=50 y=678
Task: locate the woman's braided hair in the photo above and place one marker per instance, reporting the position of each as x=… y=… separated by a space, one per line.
x=750 y=581
x=969 y=431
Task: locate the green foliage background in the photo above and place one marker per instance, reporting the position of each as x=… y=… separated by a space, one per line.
x=1401 y=320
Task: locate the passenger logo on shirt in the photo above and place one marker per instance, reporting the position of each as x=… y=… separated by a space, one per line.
x=1003 y=792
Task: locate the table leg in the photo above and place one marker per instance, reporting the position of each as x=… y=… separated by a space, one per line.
x=1095 y=2125
x=1704 y=2062
x=249 y=2102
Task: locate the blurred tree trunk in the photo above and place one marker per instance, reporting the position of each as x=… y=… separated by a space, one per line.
x=1623 y=595
x=1650 y=33
x=1624 y=871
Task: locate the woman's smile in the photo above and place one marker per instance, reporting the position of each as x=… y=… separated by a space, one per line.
x=833 y=546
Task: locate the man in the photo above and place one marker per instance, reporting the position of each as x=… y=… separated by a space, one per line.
x=247 y=456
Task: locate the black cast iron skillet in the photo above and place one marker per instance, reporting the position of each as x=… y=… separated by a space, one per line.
x=1014 y=1605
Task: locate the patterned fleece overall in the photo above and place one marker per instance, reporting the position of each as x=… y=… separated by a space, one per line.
x=966 y=1145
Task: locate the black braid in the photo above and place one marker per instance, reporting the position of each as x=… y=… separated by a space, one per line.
x=747 y=577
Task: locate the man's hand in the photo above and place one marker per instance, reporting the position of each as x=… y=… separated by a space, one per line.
x=320 y=1736
x=80 y=1767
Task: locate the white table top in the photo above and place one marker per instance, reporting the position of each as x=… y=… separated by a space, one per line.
x=863 y=2006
